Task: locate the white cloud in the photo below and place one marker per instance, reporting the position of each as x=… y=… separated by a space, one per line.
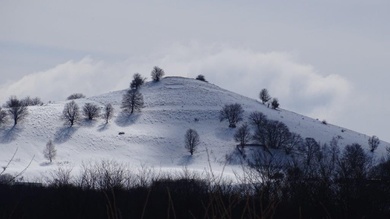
x=299 y=87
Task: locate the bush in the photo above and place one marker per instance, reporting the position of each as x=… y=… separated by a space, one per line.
x=76 y=96
x=201 y=78
x=275 y=103
x=157 y=74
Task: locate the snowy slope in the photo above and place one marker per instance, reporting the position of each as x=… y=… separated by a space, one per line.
x=153 y=137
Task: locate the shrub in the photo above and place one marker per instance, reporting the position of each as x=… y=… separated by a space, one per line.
x=275 y=103
x=201 y=78
x=76 y=96
x=157 y=74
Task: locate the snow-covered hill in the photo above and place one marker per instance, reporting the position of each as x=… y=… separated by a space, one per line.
x=153 y=137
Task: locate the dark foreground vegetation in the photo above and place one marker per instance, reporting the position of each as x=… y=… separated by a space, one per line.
x=107 y=190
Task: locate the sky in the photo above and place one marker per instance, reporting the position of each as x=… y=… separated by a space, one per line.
x=326 y=59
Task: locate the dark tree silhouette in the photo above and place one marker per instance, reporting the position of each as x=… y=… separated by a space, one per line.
x=16 y=109
x=50 y=151
x=157 y=74
x=108 y=112
x=272 y=134
x=132 y=100
x=294 y=143
x=71 y=112
x=233 y=113
x=28 y=101
x=258 y=119
x=373 y=142
x=137 y=81
x=264 y=96
x=76 y=96
x=201 y=78
x=275 y=103
x=3 y=116
x=354 y=163
x=191 y=140
x=243 y=135
x=91 y=111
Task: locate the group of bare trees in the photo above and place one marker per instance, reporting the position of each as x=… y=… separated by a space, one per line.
x=71 y=113
x=17 y=109
x=267 y=133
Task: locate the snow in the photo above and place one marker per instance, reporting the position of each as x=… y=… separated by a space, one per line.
x=153 y=137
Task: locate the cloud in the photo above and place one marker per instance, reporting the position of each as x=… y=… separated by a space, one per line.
x=297 y=86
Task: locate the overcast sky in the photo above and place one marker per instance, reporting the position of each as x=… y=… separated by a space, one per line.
x=326 y=59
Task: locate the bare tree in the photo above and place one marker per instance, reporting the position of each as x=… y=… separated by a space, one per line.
x=272 y=134
x=201 y=78
x=373 y=142
x=132 y=100
x=50 y=151
x=275 y=103
x=354 y=162
x=257 y=119
x=71 y=112
x=233 y=113
x=28 y=101
x=294 y=143
x=157 y=73
x=108 y=112
x=191 y=140
x=137 y=81
x=243 y=135
x=16 y=109
x=91 y=111
x=264 y=96
x=76 y=96
x=3 y=116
